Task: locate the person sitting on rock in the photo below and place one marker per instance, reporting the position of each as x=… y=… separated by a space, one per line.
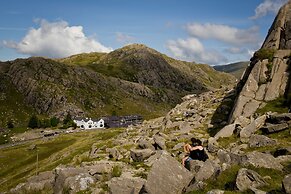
x=195 y=151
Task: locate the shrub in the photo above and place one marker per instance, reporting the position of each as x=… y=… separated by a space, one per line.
x=265 y=54
x=68 y=122
x=54 y=121
x=33 y=122
x=45 y=123
x=68 y=119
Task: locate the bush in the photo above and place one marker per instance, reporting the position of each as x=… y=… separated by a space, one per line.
x=54 y=121
x=45 y=123
x=68 y=119
x=265 y=54
x=33 y=122
x=68 y=122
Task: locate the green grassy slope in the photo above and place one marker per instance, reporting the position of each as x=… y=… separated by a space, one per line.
x=18 y=162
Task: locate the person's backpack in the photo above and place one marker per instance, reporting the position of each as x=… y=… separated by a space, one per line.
x=202 y=155
x=199 y=155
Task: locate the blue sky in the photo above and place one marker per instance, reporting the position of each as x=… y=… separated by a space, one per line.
x=208 y=31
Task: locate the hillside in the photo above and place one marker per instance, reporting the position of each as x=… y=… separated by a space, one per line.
x=141 y=64
x=131 y=80
x=236 y=69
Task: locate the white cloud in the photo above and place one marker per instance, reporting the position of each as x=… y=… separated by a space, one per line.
x=124 y=38
x=224 y=33
x=191 y=49
x=236 y=50
x=268 y=6
x=56 y=39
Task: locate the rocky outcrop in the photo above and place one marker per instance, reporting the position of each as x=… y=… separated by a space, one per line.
x=124 y=185
x=247 y=179
x=261 y=141
x=279 y=33
x=42 y=181
x=140 y=155
x=267 y=77
x=259 y=159
x=167 y=176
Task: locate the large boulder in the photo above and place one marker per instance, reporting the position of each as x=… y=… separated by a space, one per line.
x=207 y=170
x=195 y=165
x=145 y=144
x=197 y=185
x=167 y=175
x=274 y=128
x=226 y=131
x=254 y=126
x=231 y=158
x=247 y=179
x=279 y=118
x=125 y=185
x=64 y=173
x=160 y=142
x=261 y=141
x=100 y=168
x=259 y=159
x=140 y=155
x=287 y=184
x=79 y=182
x=37 y=183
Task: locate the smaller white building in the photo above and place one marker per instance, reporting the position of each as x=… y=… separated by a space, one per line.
x=89 y=123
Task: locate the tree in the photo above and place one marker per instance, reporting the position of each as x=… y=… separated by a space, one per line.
x=54 y=121
x=68 y=122
x=33 y=122
x=45 y=123
x=68 y=119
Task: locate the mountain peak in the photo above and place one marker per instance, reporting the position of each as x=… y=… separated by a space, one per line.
x=135 y=48
x=279 y=36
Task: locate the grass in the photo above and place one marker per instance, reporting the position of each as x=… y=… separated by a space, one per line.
x=116 y=171
x=226 y=141
x=225 y=181
x=273 y=184
x=18 y=163
x=277 y=105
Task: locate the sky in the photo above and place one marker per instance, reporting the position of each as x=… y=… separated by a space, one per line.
x=214 y=32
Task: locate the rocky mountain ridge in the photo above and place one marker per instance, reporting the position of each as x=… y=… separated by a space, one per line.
x=108 y=85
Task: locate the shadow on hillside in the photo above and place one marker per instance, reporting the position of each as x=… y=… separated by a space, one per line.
x=221 y=116
x=222 y=113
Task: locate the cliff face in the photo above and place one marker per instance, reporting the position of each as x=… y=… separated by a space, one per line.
x=279 y=36
x=267 y=77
